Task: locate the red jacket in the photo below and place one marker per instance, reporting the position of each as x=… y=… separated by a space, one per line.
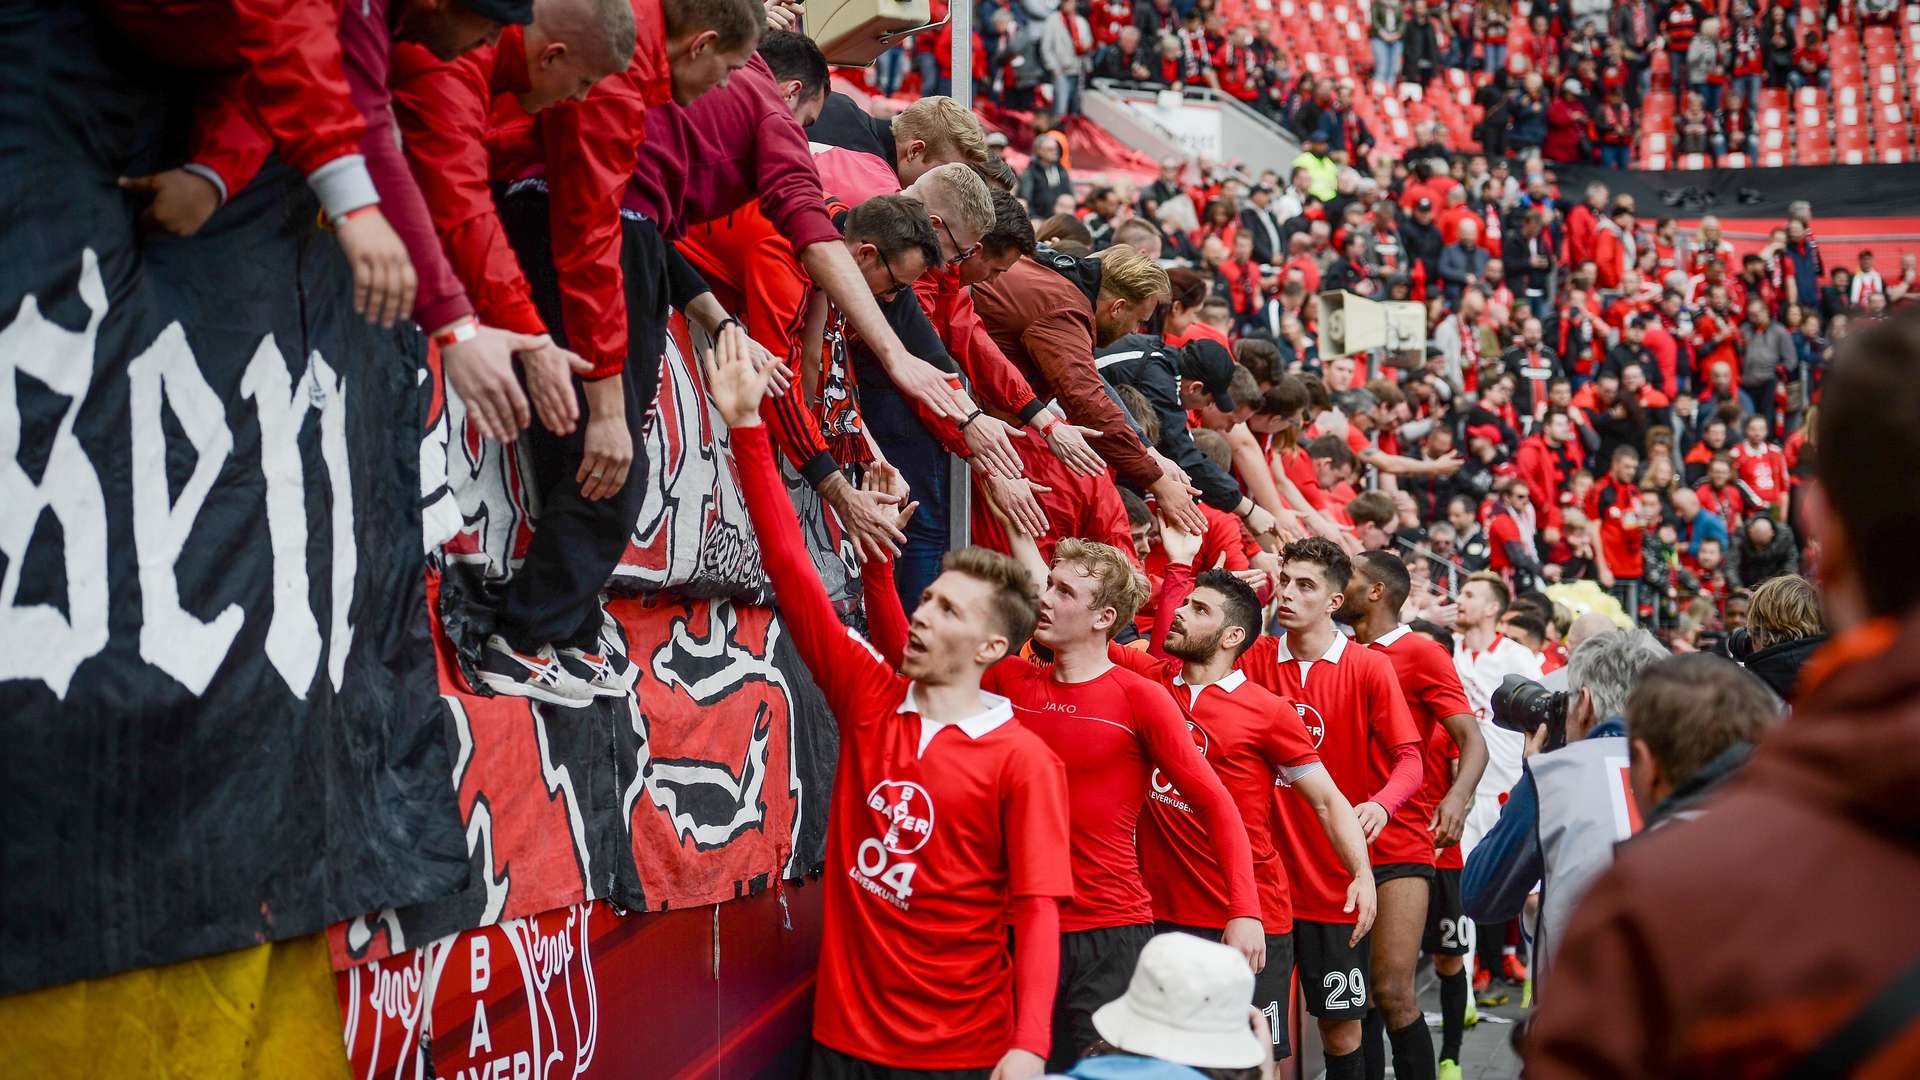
x=284 y=56
x=596 y=139
x=464 y=129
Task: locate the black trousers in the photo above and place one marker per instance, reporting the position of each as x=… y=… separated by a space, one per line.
x=577 y=542
x=830 y=1064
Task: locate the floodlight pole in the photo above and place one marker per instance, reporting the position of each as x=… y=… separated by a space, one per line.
x=959 y=478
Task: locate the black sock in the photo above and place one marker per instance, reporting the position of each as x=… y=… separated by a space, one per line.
x=1490 y=939
x=1453 y=1014
x=1412 y=1051
x=1373 y=1044
x=1345 y=1066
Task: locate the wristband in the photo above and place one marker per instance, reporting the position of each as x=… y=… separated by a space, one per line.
x=971 y=417
x=360 y=211
x=724 y=323
x=465 y=329
x=1046 y=430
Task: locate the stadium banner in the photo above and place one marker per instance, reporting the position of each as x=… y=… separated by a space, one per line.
x=591 y=992
x=216 y=691
x=707 y=782
x=1834 y=190
x=692 y=537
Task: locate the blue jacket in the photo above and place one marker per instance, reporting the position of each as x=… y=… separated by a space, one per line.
x=1127 y=1067
x=1507 y=865
x=1707 y=525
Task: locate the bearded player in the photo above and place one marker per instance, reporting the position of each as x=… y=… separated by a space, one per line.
x=1349 y=700
x=1113 y=728
x=1403 y=855
x=949 y=821
x=1250 y=737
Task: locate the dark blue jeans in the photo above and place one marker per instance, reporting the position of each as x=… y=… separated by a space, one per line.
x=924 y=464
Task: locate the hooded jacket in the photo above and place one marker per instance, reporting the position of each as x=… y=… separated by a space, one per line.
x=1731 y=946
x=1779 y=665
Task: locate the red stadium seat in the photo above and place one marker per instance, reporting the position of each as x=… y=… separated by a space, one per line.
x=1693 y=162
x=1734 y=160
x=1773 y=159
x=1774 y=97
x=1851 y=146
x=1849 y=94
x=1877 y=35
x=1812 y=148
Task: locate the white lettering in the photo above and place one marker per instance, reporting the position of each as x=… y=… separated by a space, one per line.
x=481 y=1041
x=173 y=639
x=293 y=636
x=481 y=968
x=37 y=641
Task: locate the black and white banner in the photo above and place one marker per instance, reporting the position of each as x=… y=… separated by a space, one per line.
x=219 y=720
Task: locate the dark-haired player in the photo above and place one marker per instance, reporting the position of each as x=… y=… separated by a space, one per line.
x=949 y=822
x=1349 y=700
x=1250 y=737
x=1404 y=853
x=1113 y=728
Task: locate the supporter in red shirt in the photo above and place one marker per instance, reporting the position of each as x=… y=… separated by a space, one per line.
x=1511 y=531
x=1762 y=468
x=949 y=822
x=1403 y=853
x=1614 y=503
x=1546 y=460
x=1354 y=713
x=1113 y=728
x=470 y=124
x=1716 y=334
x=1721 y=495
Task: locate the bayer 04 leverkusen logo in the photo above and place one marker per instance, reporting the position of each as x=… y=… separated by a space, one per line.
x=1316 y=725
x=907 y=810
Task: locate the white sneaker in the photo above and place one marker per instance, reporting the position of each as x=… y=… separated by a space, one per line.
x=539 y=676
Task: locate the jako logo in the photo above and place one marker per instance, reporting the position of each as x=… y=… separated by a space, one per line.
x=908 y=811
x=1316 y=726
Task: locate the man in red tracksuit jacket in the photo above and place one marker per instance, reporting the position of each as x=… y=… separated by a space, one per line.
x=471 y=123
x=305 y=65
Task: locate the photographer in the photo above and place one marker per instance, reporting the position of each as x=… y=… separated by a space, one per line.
x=1564 y=816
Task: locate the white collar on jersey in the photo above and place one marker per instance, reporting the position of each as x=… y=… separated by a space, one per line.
x=999 y=710
x=1228 y=683
x=1393 y=635
x=1334 y=651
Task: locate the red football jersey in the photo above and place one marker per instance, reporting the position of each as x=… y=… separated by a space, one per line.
x=1764 y=470
x=1350 y=705
x=1441 y=753
x=1432 y=691
x=932 y=833
x=1113 y=732
x=1246 y=733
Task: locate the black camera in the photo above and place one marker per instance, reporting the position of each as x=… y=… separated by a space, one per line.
x=1522 y=705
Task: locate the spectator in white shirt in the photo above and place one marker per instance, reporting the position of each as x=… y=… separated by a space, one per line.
x=1866 y=281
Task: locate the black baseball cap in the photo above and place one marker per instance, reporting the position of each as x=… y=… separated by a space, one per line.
x=1208 y=361
x=511 y=12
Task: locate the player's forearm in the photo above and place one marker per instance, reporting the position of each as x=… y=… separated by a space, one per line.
x=1254 y=471
x=1175 y=587
x=1403 y=781
x=1036 y=971
x=1337 y=820
x=1221 y=818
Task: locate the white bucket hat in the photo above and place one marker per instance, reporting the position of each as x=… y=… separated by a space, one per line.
x=1187 y=1003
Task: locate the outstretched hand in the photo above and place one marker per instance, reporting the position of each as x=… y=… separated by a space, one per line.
x=1181 y=546
x=736 y=384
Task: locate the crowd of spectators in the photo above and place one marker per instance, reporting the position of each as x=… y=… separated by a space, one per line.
x=1568 y=80
x=1615 y=399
